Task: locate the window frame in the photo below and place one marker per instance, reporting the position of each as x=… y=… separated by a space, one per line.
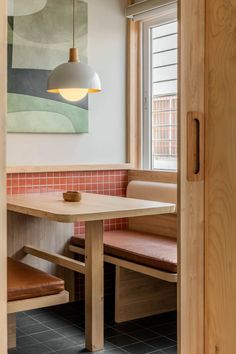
x=167 y=14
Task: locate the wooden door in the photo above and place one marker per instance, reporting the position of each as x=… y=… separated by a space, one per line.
x=3 y=252
x=220 y=198
x=191 y=183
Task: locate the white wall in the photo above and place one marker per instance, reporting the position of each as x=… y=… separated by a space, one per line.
x=105 y=142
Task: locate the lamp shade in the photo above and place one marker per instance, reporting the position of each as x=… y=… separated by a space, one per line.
x=73 y=75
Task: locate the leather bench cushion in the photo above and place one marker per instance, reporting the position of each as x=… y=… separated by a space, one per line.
x=142 y=248
x=25 y=282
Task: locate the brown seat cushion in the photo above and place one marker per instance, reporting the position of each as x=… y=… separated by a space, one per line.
x=150 y=250
x=25 y=282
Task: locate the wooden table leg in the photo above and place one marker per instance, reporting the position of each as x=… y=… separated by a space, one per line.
x=11 y=330
x=94 y=288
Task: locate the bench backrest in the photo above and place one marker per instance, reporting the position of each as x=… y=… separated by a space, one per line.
x=165 y=225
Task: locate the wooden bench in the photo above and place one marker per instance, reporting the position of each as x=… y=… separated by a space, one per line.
x=145 y=255
x=28 y=289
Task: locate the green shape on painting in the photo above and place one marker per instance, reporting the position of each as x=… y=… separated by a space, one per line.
x=25 y=7
x=41 y=40
x=28 y=114
x=38 y=122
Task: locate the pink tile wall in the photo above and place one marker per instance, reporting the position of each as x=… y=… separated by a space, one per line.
x=101 y=182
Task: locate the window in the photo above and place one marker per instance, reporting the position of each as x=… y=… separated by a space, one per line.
x=160 y=54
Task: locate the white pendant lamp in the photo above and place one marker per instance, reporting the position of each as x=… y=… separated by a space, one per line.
x=73 y=80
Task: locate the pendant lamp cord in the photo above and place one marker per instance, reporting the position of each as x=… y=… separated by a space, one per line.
x=73 y=23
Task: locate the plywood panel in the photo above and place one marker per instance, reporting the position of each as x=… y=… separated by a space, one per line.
x=191 y=194
x=3 y=252
x=138 y=295
x=221 y=177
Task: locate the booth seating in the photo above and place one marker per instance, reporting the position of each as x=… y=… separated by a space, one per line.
x=30 y=288
x=145 y=256
x=149 y=250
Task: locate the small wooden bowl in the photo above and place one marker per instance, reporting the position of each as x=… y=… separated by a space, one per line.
x=72 y=196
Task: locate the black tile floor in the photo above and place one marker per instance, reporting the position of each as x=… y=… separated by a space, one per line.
x=60 y=329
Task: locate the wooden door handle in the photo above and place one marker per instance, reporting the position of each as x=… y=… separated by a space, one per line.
x=195 y=146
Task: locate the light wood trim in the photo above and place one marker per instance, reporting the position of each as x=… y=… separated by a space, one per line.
x=170 y=277
x=38 y=302
x=138 y=295
x=139 y=115
x=58 y=259
x=195 y=146
x=152 y=176
x=94 y=287
x=3 y=237
x=69 y=168
x=190 y=194
x=11 y=328
x=92 y=207
x=79 y=250
x=134 y=93
x=220 y=191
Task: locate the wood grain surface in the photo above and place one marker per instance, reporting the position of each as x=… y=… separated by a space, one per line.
x=220 y=197
x=191 y=194
x=92 y=207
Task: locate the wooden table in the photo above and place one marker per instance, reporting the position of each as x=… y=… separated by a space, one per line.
x=37 y=219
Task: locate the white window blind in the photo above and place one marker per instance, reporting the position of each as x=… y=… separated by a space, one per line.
x=147 y=9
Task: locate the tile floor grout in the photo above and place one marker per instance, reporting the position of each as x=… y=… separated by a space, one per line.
x=135 y=337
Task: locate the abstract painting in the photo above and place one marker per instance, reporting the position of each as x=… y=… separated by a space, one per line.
x=39 y=38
